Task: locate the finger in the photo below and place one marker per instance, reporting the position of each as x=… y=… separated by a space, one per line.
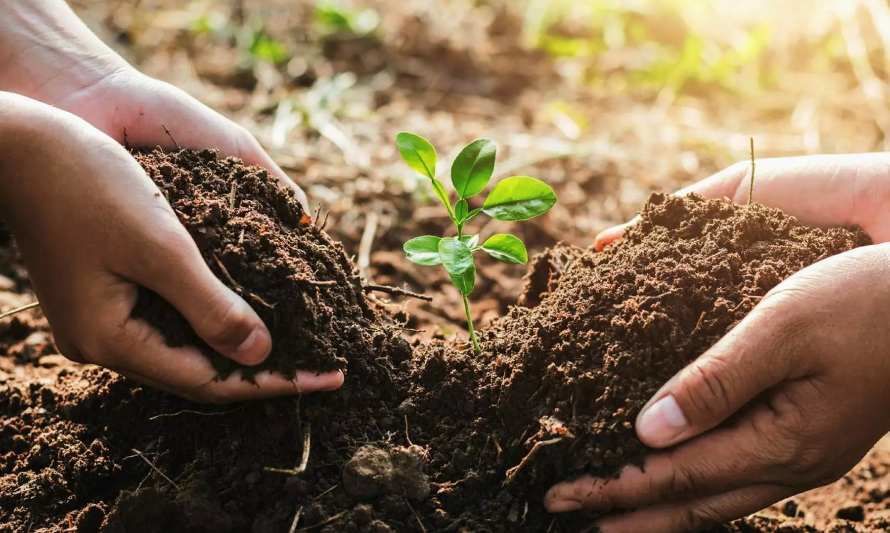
x=610 y=235
x=191 y=124
x=758 y=353
x=725 y=183
x=718 y=461
x=172 y=267
x=698 y=514
x=139 y=352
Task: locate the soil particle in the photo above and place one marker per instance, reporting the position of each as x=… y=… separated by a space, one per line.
x=256 y=238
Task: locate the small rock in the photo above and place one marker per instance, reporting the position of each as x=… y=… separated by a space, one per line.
x=853 y=512
x=373 y=471
x=791 y=509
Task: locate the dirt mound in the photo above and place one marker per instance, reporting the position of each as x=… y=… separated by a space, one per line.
x=255 y=236
x=430 y=439
x=572 y=372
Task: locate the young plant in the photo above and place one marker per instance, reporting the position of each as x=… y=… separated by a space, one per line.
x=515 y=198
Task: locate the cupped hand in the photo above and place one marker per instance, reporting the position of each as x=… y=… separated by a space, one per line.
x=92 y=227
x=794 y=395
x=141 y=111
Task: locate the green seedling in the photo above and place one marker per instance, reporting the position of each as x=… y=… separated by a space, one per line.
x=514 y=198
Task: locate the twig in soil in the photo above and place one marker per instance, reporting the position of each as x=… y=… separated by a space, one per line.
x=176 y=144
x=396 y=290
x=751 y=188
x=296 y=520
x=416 y=516
x=304 y=460
x=316 y=282
x=192 y=412
x=155 y=468
x=256 y=298
x=324 y=221
x=367 y=242
x=326 y=492
x=407 y=436
x=232 y=192
x=513 y=472
x=324 y=522
x=225 y=272
x=18 y=310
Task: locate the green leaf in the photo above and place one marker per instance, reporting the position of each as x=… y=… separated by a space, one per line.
x=471 y=241
x=442 y=195
x=423 y=250
x=461 y=210
x=519 y=198
x=465 y=282
x=473 y=167
x=418 y=153
x=472 y=214
x=457 y=258
x=507 y=248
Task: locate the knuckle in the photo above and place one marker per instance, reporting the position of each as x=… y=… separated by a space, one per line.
x=166 y=244
x=709 y=392
x=699 y=517
x=680 y=482
x=223 y=321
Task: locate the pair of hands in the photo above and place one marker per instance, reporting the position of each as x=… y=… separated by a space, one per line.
x=92 y=226
x=794 y=395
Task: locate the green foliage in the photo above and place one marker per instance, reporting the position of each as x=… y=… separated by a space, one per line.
x=507 y=248
x=650 y=44
x=473 y=167
x=513 y=198
x=334 y=17
x=265 y=48
x=423 y=250
x=519 y=198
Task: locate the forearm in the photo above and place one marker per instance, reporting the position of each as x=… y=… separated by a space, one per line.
x=47 y=52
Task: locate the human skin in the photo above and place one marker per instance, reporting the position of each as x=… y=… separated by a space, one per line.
x=92 y=225
x=794 y=395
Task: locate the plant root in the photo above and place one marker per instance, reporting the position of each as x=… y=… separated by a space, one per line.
x=514 y=471
x=155 y=468
x=304 y=460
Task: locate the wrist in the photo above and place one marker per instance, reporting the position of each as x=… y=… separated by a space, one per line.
x=48 y=53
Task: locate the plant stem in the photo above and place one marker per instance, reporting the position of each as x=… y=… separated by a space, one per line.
x=470 y=327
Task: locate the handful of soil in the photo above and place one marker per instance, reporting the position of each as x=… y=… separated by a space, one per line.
x=256 y=237
x=572 y=372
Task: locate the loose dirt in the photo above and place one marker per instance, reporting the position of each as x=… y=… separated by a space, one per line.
x=256 y=237
x=426 y=437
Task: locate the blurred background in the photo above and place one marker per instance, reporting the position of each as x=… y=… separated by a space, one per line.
x=606 y=99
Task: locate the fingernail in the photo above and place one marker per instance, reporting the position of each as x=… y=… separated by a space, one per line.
x=661 y=423
x=254 y=348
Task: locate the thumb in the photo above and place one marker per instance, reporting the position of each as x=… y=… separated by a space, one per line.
x=756 y=355
x=178 y=274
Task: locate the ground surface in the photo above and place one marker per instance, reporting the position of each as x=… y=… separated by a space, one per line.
x=439 y=439
x=327 y=109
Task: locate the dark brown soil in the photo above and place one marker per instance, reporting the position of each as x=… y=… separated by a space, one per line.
x=417 y=440
x=256 y=237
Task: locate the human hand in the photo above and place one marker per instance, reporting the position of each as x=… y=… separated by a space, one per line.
x=820 y=190
x=91 y=227
x=48 y=54
x=794 y=395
